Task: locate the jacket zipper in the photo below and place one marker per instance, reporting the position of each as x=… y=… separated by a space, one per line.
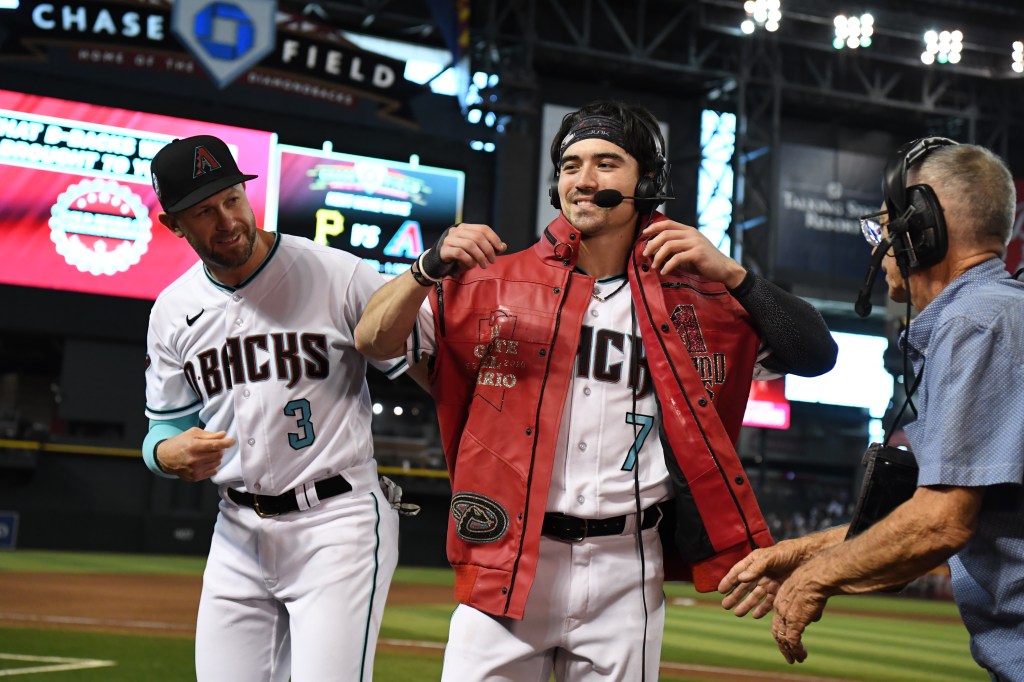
x=440 y=307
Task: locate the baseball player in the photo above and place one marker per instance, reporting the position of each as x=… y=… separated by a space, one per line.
x=589 y=391
x=252 y=381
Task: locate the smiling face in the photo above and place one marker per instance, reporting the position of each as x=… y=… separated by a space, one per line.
x=222 y=231
x=591 y=165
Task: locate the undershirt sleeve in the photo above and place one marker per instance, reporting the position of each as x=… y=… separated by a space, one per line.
x=793 y=329
x=159 y=431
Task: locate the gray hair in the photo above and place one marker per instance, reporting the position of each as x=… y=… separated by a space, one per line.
x=975 y=188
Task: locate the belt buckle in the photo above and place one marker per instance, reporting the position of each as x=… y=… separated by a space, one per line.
x=259 y=512
x=579 y=538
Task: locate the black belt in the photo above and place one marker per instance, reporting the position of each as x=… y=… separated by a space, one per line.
x=572 y=529
x=273 y=505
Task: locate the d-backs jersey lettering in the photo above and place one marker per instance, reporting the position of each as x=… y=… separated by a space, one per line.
x=275 y=367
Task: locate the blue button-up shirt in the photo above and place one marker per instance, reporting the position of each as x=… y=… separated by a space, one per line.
x=970 y=433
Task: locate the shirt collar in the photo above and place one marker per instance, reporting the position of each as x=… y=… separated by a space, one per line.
x=920 y=330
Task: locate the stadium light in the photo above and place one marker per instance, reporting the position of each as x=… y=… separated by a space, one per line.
x=1018 y=56
x=853 y=32
x=944 y=47
x=762 y=13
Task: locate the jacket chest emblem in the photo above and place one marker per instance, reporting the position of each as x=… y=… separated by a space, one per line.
x=710 y=366
x=497 y=354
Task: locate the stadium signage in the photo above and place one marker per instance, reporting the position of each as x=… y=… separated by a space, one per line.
x=273 y=49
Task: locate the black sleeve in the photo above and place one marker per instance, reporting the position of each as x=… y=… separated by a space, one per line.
x=792 y=328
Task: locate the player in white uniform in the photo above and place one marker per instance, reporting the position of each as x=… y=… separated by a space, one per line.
x=253 y=382
x=585 y=603
x=595 y=609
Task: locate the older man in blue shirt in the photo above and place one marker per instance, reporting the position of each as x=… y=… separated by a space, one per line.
x=948 y=216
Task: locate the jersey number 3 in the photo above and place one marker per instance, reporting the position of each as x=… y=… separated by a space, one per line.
x=306 y=436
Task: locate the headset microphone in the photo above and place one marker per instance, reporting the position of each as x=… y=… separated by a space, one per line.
x=610 y=198
x=863 y=304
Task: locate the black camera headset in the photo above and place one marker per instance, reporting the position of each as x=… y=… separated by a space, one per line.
x=650 y=188
x=916 y=225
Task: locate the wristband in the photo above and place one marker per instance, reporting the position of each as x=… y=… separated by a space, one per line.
x=418 y=275
x=430 y=264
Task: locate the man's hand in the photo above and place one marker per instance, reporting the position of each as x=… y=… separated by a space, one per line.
x=751 y=585
x=673 y=245
x=800 y=601
x=193 y=455
x=468 y=246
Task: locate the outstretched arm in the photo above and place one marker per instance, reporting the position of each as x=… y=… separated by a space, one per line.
x=391 y=312
x=389 y=317
x=917 y=536
x=751 y=585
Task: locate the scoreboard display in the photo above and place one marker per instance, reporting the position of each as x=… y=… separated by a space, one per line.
x=385 y=212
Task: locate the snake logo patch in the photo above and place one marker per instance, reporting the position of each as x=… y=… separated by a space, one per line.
x=478 y=518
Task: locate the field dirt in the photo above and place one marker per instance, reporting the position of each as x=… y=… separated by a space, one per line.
x=133 y=603
x=167 y=605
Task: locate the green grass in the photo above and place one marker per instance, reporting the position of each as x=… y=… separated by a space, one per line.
x=138 y=658
x=88 y=562
x=865 y=638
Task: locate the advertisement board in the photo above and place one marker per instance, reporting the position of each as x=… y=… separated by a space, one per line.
x=77 y=209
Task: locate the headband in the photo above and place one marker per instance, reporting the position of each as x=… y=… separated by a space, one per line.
x=603 y=127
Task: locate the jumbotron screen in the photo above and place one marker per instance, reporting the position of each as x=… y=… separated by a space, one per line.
x=77 y=210
x=385 y=212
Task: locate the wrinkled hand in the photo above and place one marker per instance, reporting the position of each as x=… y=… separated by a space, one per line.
x=470 y=245
x=751 y=586
x=674 y=246
x=193 y=455
x=800 y=601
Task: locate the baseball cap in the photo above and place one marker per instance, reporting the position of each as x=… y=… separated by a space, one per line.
x=188 y=170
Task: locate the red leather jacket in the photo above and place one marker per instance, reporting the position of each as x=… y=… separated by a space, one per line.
x=507 y=340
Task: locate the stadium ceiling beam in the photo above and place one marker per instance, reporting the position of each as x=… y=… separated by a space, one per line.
x=697 y=45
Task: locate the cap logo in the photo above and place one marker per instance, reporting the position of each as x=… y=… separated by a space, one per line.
x=204 y=162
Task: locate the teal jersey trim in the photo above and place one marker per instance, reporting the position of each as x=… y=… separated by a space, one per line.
x=225 y=287
x=373 y=589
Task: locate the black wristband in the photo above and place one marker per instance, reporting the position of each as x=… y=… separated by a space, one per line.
x=431 y=265
x=414 y=270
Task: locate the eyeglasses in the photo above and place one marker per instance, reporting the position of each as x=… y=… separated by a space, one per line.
x=871 y=226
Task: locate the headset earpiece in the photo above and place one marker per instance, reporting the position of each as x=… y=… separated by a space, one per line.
x=654 y=184
x=916 y=220
x=553 y=197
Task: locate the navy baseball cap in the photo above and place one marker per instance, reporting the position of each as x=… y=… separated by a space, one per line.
x=188 y=170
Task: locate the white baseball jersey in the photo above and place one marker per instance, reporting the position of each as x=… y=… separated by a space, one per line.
x=606 y=431
x=271 y=362
x=602 y=429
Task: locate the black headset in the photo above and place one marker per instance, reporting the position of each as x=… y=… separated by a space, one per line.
x=649 y=189
x=916 y=221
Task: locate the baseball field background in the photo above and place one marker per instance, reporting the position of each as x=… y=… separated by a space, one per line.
x=77 y=617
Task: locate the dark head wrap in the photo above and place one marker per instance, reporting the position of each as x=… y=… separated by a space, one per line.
x=603 y=127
